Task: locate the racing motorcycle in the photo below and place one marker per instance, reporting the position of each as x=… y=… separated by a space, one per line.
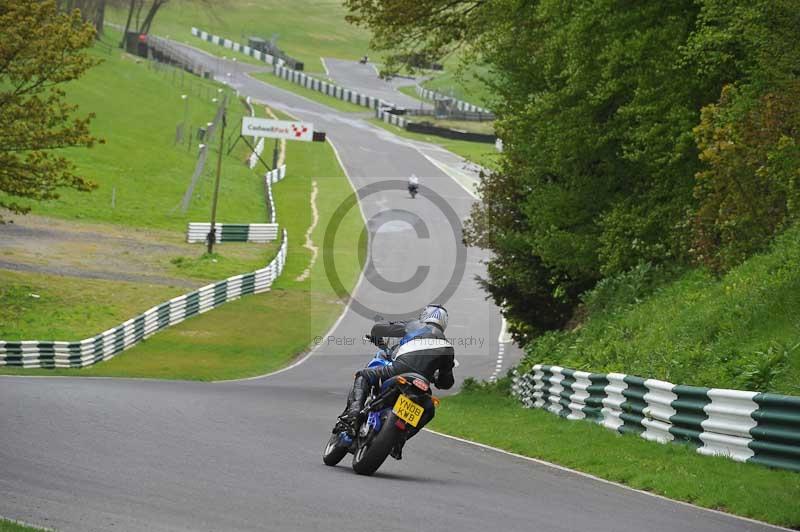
x=413 y=186
x=393 y=411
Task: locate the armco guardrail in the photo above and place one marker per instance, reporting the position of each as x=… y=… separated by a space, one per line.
x=746 y=426
x=259 y=233
x=38 y=354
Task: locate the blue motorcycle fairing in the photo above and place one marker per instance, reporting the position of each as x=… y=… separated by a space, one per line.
x=374 y=421
x=379 y=360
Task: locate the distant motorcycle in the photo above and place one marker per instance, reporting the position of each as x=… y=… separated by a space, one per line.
x=393 y=410
x=363 y=60
x=413 y=186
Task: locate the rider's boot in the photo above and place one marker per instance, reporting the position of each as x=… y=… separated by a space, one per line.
x=355 y=403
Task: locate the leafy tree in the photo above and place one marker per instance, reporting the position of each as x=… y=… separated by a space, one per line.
x=597 y=104
x=749 y=141
x=422 y=30
x=40 y=49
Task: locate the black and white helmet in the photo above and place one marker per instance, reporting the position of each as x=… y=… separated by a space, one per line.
x=435 y=315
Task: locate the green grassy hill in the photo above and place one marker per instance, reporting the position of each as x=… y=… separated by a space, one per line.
x=140 y=167
x=739 y=331
x=305 y=30
x=465 y=85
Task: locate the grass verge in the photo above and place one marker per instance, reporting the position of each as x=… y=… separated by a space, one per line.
x=481 y=153
x=324 y=99
x=466 y=85
x=256 y=334
x=487 y=415
x=141 y=172
x=36 y=306
x=12 y=526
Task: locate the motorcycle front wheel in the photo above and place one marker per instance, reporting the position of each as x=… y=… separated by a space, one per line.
x=334 y=451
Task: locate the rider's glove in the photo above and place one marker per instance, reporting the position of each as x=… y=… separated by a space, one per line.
x=378 y=341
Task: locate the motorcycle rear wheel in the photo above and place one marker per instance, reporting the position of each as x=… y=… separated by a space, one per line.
x=334 y=451
x=369 y=457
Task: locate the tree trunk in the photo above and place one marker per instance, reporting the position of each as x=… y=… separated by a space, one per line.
x=100 y=16
x=127 y=24
x=138 y=14
x=151 y=14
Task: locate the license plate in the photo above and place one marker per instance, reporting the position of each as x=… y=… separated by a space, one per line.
x=408 y=410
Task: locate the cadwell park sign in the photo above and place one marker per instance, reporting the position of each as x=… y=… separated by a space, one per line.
x=277 y=129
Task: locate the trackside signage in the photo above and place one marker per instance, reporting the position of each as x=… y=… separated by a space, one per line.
x=277 y=129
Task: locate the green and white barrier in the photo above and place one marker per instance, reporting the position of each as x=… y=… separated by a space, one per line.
x=329 y=89
x=295 y=76
x=258 y=233
x=236 y=47
x=197 y=232
x=745 y=426
x=273 y=176
x=386 y=116
x=53 y=354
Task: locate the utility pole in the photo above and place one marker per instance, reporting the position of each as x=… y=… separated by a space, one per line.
x=212 y=234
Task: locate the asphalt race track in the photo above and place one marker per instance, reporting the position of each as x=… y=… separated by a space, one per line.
x=365 y=78
x=112 y=454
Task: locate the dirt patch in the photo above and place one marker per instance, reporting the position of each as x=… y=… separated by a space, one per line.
x=98 y=251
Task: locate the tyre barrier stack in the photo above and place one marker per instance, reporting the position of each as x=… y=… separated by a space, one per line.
x=39 y=354
x=763 y=428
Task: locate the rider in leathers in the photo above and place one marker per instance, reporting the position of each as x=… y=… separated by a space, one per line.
x=423 y=349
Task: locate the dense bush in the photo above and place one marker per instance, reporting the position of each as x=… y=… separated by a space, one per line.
x=751 y=185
